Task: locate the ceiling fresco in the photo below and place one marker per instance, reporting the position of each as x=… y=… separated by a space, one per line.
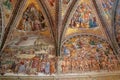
x=106 y=8
x=84 y=19
x=51 y=5
x=65 y=6
x=32 y=20
x=8 y=7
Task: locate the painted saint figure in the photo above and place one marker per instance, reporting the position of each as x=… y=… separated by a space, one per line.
x=32 y=20
x=21 y=68
x=66 y=51
x=47 y=67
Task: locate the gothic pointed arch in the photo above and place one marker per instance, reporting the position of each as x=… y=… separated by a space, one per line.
x=83 y=19
x=50 y=9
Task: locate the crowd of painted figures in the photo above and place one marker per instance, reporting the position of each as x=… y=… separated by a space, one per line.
x=32 y=20
x=84 y=17
x=83 y=54
x=107 y=7
x=35 y=65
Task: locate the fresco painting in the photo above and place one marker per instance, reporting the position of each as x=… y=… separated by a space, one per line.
x=33 y=49
x=32 y=20
x=84 y=17
x=86 y=53
x=107 y=6
x=30 y=47
x=32 y=57
x=8 y=7
x=51 y=6
x=65 y=6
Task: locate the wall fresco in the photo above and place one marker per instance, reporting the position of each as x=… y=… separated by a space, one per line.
x=87 y=53
x=32 y=56
x=30 y=48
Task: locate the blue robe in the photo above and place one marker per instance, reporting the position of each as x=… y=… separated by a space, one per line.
x=66 y=51
x=21 y=69
x=90 y=23
x=47 y=68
